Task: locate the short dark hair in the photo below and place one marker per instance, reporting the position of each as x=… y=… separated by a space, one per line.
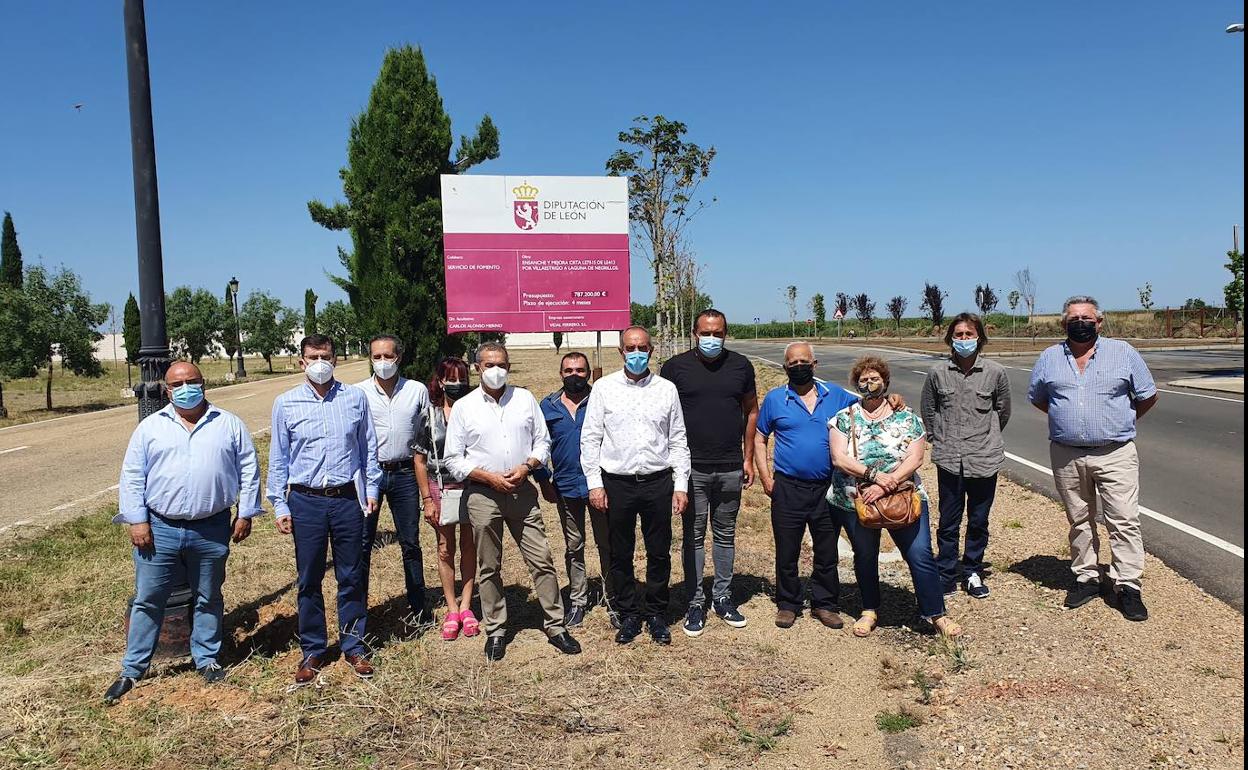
x=398 y=343
x=574 y=354
x=870 y=364
x=973 y=320
x=710 y=312
x=445 y=368
x=317 y=341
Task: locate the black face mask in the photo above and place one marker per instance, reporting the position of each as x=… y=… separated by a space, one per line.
x=456 y=390
x=575 y=384
x=1081 y=331
x=801 y=374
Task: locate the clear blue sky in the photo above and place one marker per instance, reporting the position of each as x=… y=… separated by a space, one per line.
x=862 y=146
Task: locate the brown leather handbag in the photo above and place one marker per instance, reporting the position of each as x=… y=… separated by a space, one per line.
x=895 y=510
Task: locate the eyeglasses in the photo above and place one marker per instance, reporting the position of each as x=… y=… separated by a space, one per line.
x=179 y=383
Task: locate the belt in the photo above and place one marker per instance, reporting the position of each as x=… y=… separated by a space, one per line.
x=397 y=466
x=716 y=467
x=640 y=478
x=342 y=490
x=182 y=522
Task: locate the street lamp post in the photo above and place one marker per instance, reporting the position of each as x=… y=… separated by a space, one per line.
x=154 y=350
x=238 y=331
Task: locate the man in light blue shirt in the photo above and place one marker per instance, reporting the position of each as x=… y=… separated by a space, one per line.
x=185 y=467
x=323 y=481
x=1093 y=391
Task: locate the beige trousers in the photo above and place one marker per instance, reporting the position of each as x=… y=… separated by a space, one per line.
x=1104 y=479
x=488 y=511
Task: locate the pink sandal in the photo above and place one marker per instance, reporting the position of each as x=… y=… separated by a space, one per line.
x=471 y=626
x=450 y=627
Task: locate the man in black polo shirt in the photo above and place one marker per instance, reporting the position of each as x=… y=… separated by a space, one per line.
x=720 y=403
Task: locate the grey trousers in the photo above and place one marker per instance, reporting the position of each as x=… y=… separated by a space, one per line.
x=572 y=518
x=715 y=496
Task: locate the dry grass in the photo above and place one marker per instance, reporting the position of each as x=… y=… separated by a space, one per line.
x=1031 y=686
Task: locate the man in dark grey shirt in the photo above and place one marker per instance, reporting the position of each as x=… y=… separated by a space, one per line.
x=965 y=406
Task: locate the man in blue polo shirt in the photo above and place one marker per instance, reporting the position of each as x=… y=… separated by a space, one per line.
x=564 y=411
x=798 y=414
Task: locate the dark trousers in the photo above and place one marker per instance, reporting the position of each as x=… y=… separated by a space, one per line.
x=400 y=490
x=651 y=500
x=318 y=522
x=795 y=505
x=959 y=494
x=915 y=544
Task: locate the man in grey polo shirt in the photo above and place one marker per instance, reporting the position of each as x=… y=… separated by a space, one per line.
x=1094 y=390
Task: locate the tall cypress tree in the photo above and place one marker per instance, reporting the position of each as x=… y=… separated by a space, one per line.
x=398 y=147
x=309 y=313
x=131 y=330
x=10 y=255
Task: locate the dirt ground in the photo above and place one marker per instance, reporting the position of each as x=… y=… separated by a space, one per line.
x=1030 y=686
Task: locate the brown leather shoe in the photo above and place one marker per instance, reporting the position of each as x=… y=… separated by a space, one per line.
x=828 y=618
x=363 y=669
x=308 y=670
x=785 y=618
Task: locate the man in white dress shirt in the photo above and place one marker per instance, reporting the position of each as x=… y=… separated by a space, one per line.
x=636 y=463
x=495 y=439
x=397 y=406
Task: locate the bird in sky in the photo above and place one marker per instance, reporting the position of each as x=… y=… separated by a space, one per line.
x=78 y=106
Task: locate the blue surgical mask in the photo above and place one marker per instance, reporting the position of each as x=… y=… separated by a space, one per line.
x=711 y=346
x=637 y=361
x=966 y=348
x=188 y=396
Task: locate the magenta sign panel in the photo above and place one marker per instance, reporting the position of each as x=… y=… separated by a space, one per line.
x=533 y=254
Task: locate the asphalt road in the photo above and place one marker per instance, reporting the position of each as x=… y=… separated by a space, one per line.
x=49 y=470
x=1191 y=449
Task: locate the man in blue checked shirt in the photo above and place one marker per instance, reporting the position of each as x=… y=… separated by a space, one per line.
x=564 y=485
x=1094 y=390
x=185 y=467
x=323 y=480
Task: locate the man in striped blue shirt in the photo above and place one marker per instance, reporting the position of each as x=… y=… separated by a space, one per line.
x=323 y=480
x=1094 y=390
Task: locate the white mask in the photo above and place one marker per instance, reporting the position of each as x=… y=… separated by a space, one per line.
x=494 y=378
x=319 y=372
x=385 y=368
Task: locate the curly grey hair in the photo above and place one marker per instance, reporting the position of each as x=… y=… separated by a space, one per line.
x=1081 y=299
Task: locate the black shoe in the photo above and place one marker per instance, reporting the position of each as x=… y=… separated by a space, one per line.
x=976 y=587
x=212 y=673
x=119 y=688
x=1082 y=593
x=1131 y=605
x=495 y=647
x=695 y=622
x=630 y=629
x=565 y=643
x=574 y=617
x=728 y=612
x=658 y=630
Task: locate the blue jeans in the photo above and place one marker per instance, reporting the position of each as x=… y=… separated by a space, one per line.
x=915 y=544
x=317 y=522
x=959 y=493
x=402 y=492
x=196 y=549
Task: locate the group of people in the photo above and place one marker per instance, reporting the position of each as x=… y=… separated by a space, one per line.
x=635 y=447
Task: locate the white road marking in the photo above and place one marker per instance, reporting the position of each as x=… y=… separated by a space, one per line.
x=1201 y=395
x=916 y=371
x=14 y=449
x=81 y=500
x=240 y=398
x=1213 y=540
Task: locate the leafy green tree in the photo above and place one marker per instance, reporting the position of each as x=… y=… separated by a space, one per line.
x=790 y=300
x=1234 y=291
x=819 y=312
x=51 y=315
x=1146 y=296
x=1195 y=303
x=194 y=322
x=337 y=319
x=398 y=147
x=865 y=310
x=642 y=315
x=309 y=312
x=132 y=330
x=664 y=172
x=10 y=255
x=268 y=326
x=229 y=327
x=986 y=300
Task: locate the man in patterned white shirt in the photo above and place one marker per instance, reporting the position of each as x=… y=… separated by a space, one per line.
x=636 y=462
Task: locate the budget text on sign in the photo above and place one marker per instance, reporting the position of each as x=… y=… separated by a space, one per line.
x=535 y=253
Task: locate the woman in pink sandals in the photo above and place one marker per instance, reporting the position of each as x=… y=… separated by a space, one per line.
x=449 y=384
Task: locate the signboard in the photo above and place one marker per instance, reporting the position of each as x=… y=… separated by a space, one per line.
x=838 y=315
x=535 y=253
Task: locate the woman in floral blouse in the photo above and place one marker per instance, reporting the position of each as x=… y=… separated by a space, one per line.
x=890 y=448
